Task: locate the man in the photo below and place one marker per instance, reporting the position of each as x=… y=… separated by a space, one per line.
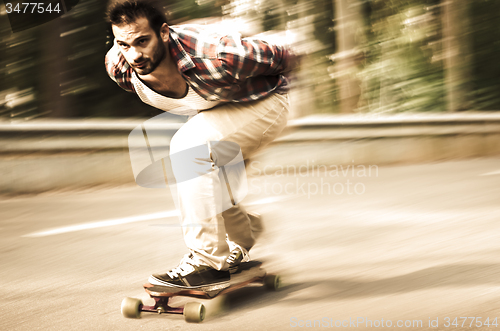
x=236 y=90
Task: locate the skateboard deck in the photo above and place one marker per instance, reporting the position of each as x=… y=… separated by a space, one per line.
x=248 y=273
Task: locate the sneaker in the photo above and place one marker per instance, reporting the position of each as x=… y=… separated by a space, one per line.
x=189 y=275
x=238 y=254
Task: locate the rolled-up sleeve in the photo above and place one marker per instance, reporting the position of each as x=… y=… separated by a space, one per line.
x=250 y=57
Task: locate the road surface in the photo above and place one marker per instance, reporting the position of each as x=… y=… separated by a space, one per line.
x=413 y=246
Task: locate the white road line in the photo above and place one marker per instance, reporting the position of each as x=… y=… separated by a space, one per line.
x=120 y=221
x=491 y=173
x=101 y=224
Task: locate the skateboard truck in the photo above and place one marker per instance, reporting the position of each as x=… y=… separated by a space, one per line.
x=193 y=312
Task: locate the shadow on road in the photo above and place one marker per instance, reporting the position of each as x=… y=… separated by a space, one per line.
x=456 y=275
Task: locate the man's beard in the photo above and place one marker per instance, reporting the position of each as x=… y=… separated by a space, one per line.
x=152 y=63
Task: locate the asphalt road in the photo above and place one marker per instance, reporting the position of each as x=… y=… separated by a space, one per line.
x=411 y=245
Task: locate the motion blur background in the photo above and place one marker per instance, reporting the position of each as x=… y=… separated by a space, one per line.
x=405 y=88
x=357 y=56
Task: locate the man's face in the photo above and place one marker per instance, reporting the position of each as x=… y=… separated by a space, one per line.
x=140 y=45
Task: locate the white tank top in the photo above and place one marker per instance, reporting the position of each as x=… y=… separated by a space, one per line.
x=191 y=104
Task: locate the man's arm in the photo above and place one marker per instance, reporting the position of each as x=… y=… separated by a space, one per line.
x=118 y=69
x=250 y=57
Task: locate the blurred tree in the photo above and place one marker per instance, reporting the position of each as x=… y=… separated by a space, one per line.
x=403 y=69
x=274 y=15
x=312 y=25
x=457 y=54
x=179 y=11
x=52 y=63
x=485 y=35
x=348 y=26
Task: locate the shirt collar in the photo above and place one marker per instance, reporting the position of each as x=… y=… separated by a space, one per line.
x=178 y=53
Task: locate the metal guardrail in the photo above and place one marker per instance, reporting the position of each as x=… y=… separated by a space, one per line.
x=45 y=155
x=106 y=134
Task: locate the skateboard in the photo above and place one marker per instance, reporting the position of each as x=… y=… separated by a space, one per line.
x=195 y=312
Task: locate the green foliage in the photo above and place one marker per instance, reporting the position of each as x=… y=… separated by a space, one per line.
x=485 y=15
x=57 y=69
x=403 y=70
x=179 y=11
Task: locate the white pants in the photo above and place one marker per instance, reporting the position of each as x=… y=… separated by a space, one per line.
x=251 y=125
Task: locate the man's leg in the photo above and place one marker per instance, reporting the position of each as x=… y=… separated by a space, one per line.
x=268 y=119
x=243 y=230
x=238 y=227
x=251 y=126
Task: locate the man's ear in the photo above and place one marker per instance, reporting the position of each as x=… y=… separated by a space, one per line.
x=164 y=32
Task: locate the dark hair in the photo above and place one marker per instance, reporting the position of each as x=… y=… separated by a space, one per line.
x=128 y=11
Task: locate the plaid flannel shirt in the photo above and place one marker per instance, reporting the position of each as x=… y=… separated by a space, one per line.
x=225 y=68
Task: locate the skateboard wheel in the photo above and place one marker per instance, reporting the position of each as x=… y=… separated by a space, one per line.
x=131 y=308
x=194 y=312
x=272 y=282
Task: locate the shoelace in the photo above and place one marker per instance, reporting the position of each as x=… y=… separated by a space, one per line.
x=236 y=252
x=233 y=256
x=185 y=266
